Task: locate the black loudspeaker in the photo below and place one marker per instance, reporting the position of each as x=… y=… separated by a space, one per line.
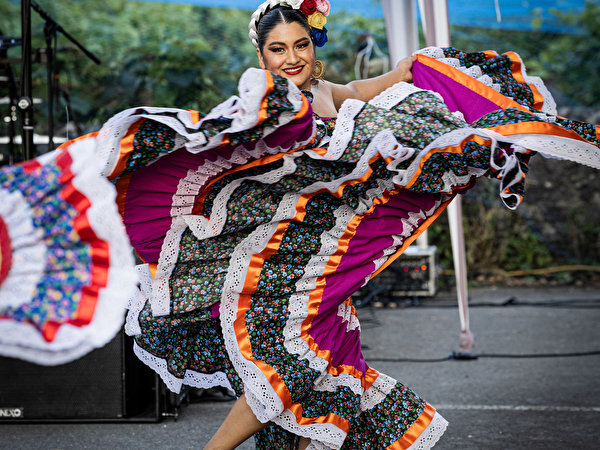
x=109 y=384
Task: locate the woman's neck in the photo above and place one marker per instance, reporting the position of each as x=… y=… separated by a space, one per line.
x=322 y=99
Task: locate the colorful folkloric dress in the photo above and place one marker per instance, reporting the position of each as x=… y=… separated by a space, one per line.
x=66 y=266
x=258 y=221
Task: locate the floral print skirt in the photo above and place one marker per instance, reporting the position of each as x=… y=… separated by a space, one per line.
x=258 y=221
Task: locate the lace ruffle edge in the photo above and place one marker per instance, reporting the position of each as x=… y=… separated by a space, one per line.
x=432 y=434
x=549 y=105
x=243 y=110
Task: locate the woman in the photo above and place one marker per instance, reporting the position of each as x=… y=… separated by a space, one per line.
x=259 y=220
x=285 y=46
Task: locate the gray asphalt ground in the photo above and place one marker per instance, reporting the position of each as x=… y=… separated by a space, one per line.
x=535 y=402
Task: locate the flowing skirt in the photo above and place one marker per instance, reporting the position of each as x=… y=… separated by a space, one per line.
x=258 y=221
x=66 y=268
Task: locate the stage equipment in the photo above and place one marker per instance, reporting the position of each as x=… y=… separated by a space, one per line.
x=109 y=384
x=7 y=79
x=25 y=102
x=51 y=29
x=413 y=274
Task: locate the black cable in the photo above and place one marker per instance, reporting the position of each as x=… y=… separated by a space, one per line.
x=467 y=356
x=540 y=355
x=513 y=301
x=447 y=358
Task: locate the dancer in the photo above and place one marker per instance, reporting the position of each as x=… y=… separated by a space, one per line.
x=259 y=220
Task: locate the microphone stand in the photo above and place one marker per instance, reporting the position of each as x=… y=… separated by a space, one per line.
x=50 y=35
x=25 y=102
x=51 y=29
x=13 y=94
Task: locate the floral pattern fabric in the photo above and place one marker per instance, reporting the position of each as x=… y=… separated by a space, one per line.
x=269 y=233
x=70 y=267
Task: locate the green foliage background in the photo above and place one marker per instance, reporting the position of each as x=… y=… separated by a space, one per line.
x=178 y=55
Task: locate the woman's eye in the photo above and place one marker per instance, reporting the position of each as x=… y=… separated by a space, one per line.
x=302 y=46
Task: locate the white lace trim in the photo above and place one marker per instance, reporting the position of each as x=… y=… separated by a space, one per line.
x=454 y=138
x=345 y=312
x=191 y=378
x=261 y=397
x=317 y=446
x=71 y=342
x=560 y=148
x=397 y=93
x=159 y=365
x=431 y=435
x=549 y=105
x=138 y=299
x=160 y=300
x=344 y=126
x=381 y=388
x=243 y=110
x=245 y=113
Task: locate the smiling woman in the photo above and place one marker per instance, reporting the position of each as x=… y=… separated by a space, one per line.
x=285 y=41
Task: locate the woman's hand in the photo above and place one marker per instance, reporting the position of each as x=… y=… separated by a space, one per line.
x=404 y=69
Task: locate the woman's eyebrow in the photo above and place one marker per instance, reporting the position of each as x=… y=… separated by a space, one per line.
x=283 y=43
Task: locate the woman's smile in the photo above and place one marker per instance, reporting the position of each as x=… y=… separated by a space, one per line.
x=294 y=70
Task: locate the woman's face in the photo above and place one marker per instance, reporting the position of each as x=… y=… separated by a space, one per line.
x=289 y=52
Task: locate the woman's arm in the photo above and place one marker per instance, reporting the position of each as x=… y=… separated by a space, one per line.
x=365 y=90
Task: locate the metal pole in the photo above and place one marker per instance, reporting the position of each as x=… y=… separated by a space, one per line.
x=25 y=102
x=50 y=34
x=401 y=28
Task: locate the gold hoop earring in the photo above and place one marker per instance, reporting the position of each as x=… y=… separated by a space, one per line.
x=319 y=70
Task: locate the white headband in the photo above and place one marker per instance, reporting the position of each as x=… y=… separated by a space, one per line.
x=258 y=14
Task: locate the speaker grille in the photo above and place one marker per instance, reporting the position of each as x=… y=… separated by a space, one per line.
x=88 y=388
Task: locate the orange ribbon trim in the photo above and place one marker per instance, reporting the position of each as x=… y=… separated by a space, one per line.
x=122 y=186
x=65 y=145
x=100 y=255
x=537 y=128
x=194 y=116
x=415 y=430
x=471 y=83
x=458 y=149
x=126 y=149
x=517 y=65
x=262 y=113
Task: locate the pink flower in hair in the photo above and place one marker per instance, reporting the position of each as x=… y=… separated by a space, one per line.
x=323 y=7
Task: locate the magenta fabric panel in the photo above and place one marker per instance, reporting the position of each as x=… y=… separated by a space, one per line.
x=373 y=236
x=288 y=135
x=149 y=200
x=150 y=193
x=456 y=96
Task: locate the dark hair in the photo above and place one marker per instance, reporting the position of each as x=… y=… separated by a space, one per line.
x=275 y=17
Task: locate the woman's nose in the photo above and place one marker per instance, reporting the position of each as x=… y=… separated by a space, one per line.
x=292 y=57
